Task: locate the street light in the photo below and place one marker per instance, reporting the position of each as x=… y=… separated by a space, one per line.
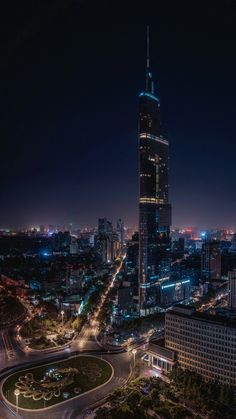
x=17 y=393
x=134 y=351
x=62 y=315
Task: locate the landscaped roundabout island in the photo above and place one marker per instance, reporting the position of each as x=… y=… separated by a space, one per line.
x=50 y=384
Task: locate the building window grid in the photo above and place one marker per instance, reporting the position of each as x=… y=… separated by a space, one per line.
x=198 y=344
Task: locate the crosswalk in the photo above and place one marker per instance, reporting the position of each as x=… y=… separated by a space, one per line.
x=120 y=381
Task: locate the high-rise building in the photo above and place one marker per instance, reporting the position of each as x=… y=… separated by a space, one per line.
x=104 y=226
x=61 y=240
x=74 y=248
x=232 y=291
x=103 y=247
x=211 y=261
x=115 y=245
x=132 y=253
x=120 y=231
x=154 y=207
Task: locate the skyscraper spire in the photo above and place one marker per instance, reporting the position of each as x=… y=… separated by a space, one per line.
x=149 y=82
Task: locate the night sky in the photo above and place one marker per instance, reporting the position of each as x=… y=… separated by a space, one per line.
x=70 y=77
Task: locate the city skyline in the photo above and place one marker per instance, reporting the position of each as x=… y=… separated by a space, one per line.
x=69 y=165
x=117 y=215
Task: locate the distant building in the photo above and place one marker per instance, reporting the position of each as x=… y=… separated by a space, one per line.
x=72 y=304
x=91 y=240
x=125 y=297
x=198 y=245
x=74 y=277
x=85 y=240
x=61 y=241
x=178 y=246
x=107 y=242
x=120 y=231
x=175 y=234
x=52 y=228
x=115 y=245
x=211 y=261
x=102 y=247
x=199 y=342
x=132 y=253
x=232 y=292
x=104 y=226
x=233 y=242
x=203 y=288
x=42 y=229
x=228 y=262
x=74 y=248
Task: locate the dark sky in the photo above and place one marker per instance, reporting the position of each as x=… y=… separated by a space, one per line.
x=70 y=76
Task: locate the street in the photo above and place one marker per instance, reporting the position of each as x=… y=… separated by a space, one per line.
x=12 y=355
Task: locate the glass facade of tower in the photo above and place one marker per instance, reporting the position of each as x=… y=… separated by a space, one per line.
x=154 y=208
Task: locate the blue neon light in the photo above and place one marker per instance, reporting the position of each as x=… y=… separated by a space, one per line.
x=149 y=95
x=155 y=277
x=168 y=286
x=174 y=284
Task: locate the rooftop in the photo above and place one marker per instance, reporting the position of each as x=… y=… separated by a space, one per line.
x=190 y=311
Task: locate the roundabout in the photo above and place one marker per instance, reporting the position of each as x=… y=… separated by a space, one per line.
x=51 y=384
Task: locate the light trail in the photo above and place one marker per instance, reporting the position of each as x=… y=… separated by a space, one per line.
x=92 y=327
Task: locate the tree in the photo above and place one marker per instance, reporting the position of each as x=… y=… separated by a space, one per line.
x=129 y=412
x=155 y=396
x=146 y=403
x=103 y=413
x=133 y=398
x=226 y=395
x=179 y=412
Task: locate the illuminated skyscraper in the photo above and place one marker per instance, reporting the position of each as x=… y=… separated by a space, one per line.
x=154 y=207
